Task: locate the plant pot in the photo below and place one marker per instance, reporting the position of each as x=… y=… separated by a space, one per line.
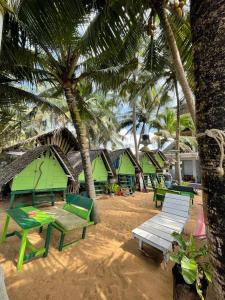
x=184 y=291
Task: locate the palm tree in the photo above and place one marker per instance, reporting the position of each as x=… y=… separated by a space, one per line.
x=160 y=7
x=62 y=39
x=166 y=124
x=3 y=8
x=208 y=43
x=148 y=104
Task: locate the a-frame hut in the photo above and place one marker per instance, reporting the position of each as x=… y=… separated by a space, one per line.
x=42 y=172
x=150 y=168
x=126 y=166
x=102 y=168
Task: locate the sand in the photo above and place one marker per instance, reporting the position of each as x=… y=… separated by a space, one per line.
x=106 y=265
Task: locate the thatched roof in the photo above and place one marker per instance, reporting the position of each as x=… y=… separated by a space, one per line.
x=115 y=155
x=75 y=160
x=15 y=167
x=61 y=137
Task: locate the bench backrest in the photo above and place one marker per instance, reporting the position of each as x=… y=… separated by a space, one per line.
x=163 y=191
x=182 y=188
x=79 y=205
x=177 y=205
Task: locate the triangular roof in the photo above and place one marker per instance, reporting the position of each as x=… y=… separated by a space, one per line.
x=61 y=137
x=15 y=167
x=75 y=160
x=114 y=156
x=161 y=154
x=152 y=159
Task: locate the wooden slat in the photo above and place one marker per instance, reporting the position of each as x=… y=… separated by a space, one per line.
x=157 y=232
x=151 y=239
x=175 y=206
x=174 y=217
x=159 y=227
x=167 y=222
x=178 y=197
x=175 y=212
x=177 y=202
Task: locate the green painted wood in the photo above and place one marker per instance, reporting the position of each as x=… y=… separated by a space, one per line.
x=22 y=250
x=43 y=173
x=125 y=165
x=99 y=171
x=20 y=216
x=147 y=165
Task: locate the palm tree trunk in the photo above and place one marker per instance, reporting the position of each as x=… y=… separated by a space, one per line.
x=84 y=149
x=208 y=35
x=178 y=170
x=1 y=25
x=180 y=74
x=134 y=116
x=141 y=133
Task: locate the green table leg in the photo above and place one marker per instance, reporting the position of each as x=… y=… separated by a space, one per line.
x=5 y=229
x=22 y=250
x=47 y=240
x=12 y=199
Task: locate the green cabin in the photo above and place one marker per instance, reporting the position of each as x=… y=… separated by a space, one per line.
x=126 y=166
x=102 y=169
x=41 y=172
x=150 y=167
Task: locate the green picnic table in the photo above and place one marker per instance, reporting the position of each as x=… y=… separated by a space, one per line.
x=28 y=223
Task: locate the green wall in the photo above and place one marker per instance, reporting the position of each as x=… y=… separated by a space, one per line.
x=159 y=160
x=99 y=171
x=147 y=165
x=125 y=165
x=43 y=173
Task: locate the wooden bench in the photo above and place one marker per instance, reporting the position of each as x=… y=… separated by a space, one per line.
x=157 y=230
x=75 y=214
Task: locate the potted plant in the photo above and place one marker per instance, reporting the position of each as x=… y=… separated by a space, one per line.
x=113 y=188
x=191 y=272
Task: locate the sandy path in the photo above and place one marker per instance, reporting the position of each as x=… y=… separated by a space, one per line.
x=106 y=265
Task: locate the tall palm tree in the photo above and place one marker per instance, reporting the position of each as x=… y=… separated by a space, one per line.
x=208 y=36
x=62 y=32
x=160 y=7
x=147 y=11
x=166 y=124
x=147 y=106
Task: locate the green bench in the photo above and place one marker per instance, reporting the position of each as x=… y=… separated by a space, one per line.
x=159 y=194
x=75 y=214
x=185 y=191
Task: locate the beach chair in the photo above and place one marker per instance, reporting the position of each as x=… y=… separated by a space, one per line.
x=157 y=231
x=3 y=292
x=74 y=215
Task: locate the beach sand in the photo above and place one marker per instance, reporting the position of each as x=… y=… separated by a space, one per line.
x=106 y=265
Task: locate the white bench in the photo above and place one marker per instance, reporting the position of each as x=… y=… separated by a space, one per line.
x=157 y=230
